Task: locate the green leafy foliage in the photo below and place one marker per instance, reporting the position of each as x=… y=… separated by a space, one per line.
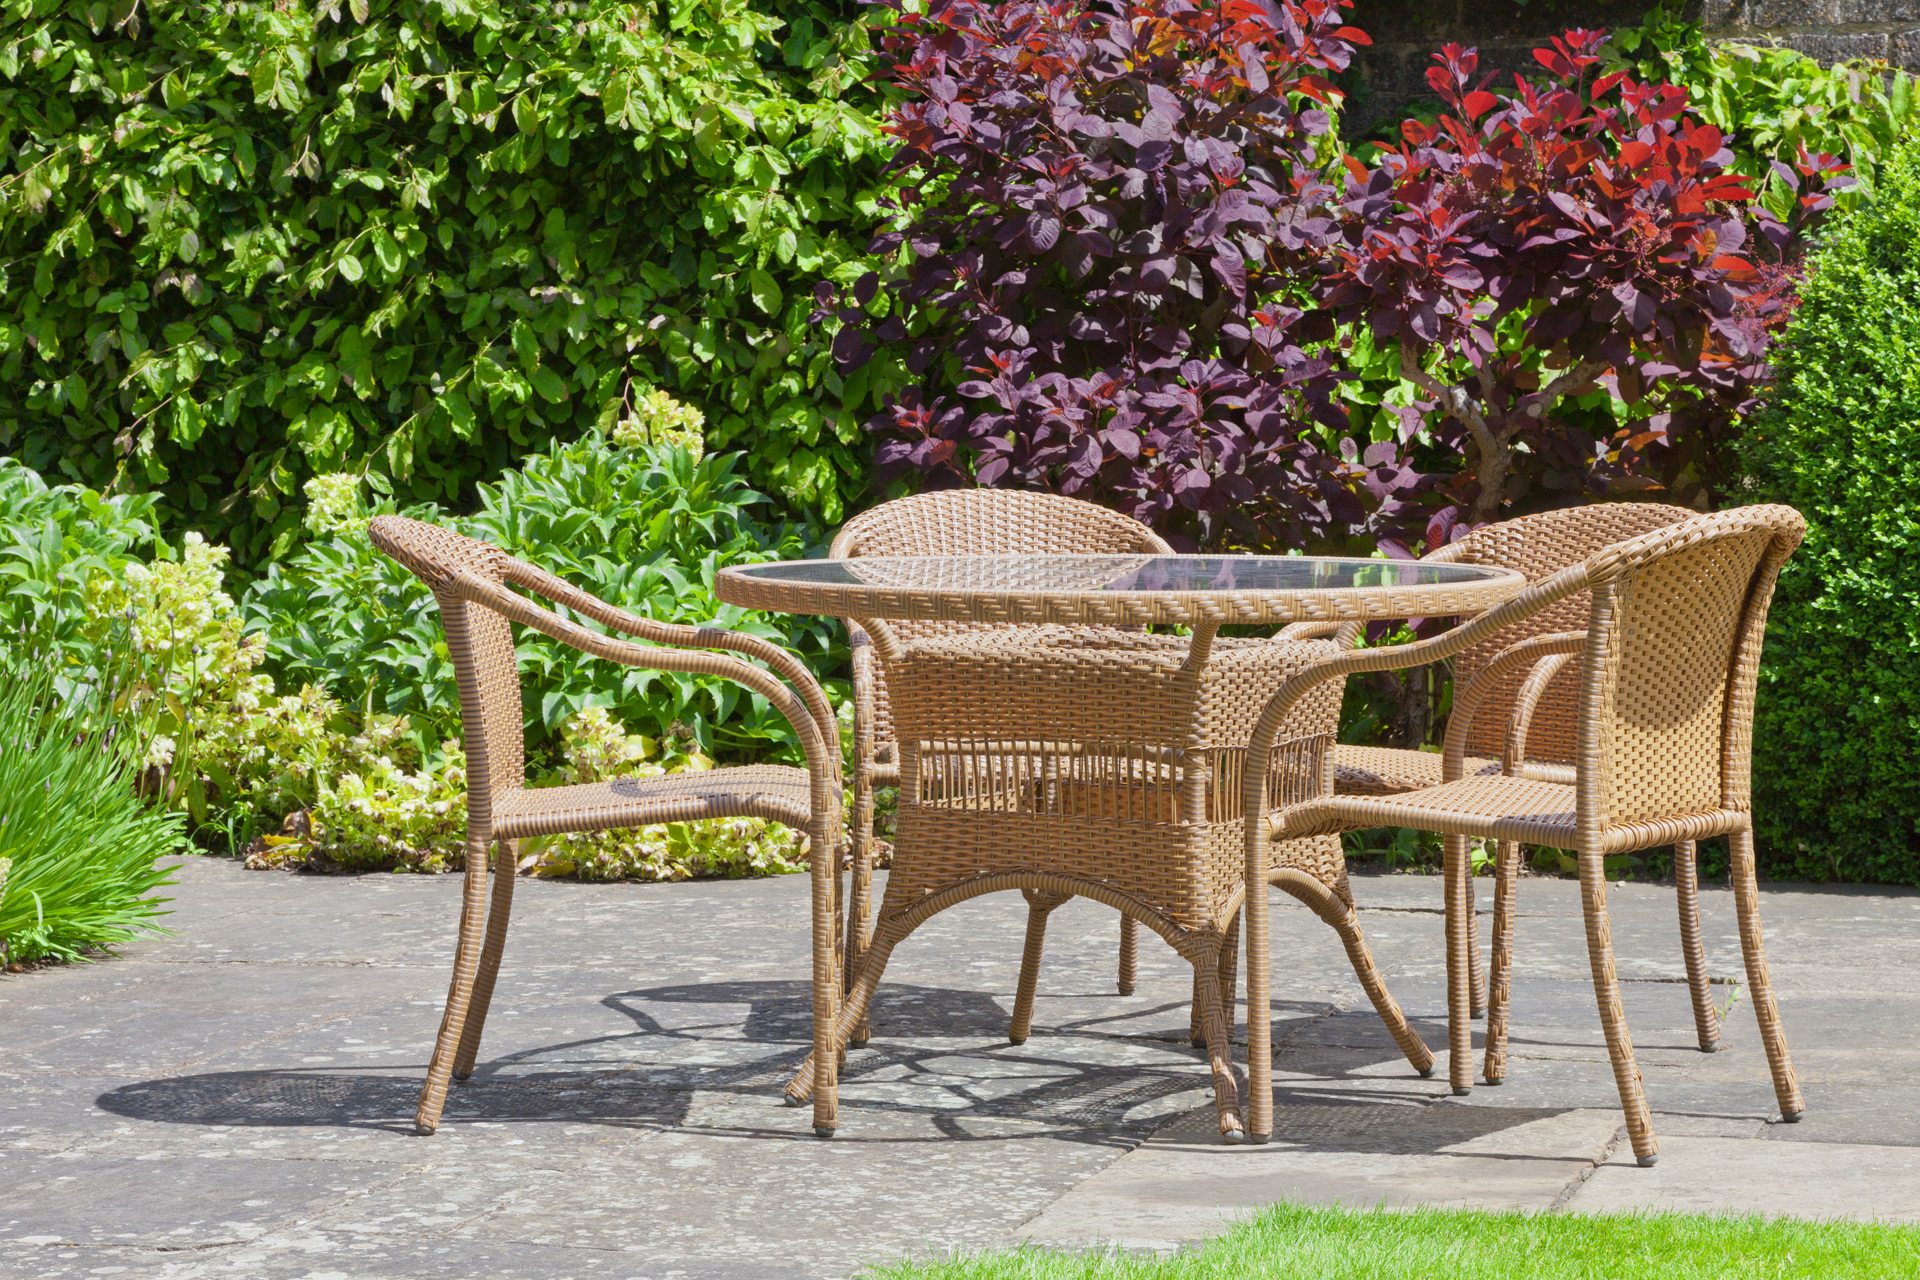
x=1772 y=102
x=1838 y=720
x=245 y=243
x=80 y=850
x=644 y=528
x=54 y=539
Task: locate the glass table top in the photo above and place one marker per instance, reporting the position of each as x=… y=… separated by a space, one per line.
x=1117 y=573
x=1118 y=588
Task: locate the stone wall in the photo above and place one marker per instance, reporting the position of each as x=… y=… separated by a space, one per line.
x=1406 y=32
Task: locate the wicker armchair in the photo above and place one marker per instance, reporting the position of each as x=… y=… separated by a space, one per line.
x=1538 y=546
x=963 y=522
x=470 y=583
x=1661 y=753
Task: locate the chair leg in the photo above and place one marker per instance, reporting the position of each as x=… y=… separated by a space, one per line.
x=466 y=960
x=1459 y=899
x=828 y=1036
x=1506 y=879
x=860 y=899
x=1226 y=1092
x=852 y=1013
x=506 y=867
x=1746 y=898
x=1686 y=882
x=1129 y=954
x=1259 y=993
x=1613 y=1017
x=1040 y=905
x=1476 y=973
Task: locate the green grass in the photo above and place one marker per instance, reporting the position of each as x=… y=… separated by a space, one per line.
x=1293 y=1242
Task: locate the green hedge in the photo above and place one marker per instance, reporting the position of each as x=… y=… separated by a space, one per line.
x=1837 y=735
x=244 y=242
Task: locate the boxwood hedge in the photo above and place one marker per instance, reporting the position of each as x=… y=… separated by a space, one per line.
x=1837 y=794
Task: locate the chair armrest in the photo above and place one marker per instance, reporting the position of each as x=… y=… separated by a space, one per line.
x=1343 y=634
x=1396 y=657
x=795 y=698
x=1514 y=754
x=681 y=636
x=1536 y=651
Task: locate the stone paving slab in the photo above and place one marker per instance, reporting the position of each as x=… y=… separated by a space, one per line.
x=235 y=1101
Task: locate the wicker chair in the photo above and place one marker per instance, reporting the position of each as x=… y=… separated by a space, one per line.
x=470 y=583
x=1538 y=546
x=947 y=523
x=1661 y=753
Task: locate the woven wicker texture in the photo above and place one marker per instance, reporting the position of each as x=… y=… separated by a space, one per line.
x=1385 y=771
x=1540 y=546
x=1675 y=622
x=470 y=583
x=960 y=522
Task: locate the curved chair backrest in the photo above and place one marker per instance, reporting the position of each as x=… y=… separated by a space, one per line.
x=1674 y=633
x=1540 y=546
x=480 y=644
x=982 y=522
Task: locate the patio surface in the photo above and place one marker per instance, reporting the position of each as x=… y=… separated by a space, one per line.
x=235 y=1101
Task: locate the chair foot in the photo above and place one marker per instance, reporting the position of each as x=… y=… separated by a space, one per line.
x=823 y=1130
x=1647 y=1162
x=1233 y=1137
x=426 y=1130
x=1715 y=1047
x=1427 y=1074
x=461 y=1077
x=1259 y=1139
x=1493 y=1082
x=1198 y=1044
x=795 y=1100
x=1125 y=989
x=1016 y=1040
x=856 y=1044
x=1791 y=1117
x=1462 y=1090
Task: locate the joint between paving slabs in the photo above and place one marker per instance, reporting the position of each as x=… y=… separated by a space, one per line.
x=1579 y=1179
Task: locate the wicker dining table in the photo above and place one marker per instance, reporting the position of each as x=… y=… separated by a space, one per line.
x=1068 y=750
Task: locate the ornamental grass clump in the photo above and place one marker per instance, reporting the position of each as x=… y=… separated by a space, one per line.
x=82 y=852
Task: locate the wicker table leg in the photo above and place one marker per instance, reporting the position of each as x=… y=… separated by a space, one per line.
x=1040 y=905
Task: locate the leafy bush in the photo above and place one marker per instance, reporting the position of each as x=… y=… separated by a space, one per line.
x=1773 y=103
x=53 y=541
x=248 y=242
x=1579 y=234
x=81 y=851
x=1113 y=213
x=645 y=528
x=1838 y=720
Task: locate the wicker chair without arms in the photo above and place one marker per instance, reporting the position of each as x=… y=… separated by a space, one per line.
x=960 y=522
x=470 y=582
x=1661 y=753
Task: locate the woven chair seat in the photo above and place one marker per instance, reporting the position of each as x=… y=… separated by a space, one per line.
x=1387 y=771
x=1489 y=806
x=748 y=791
